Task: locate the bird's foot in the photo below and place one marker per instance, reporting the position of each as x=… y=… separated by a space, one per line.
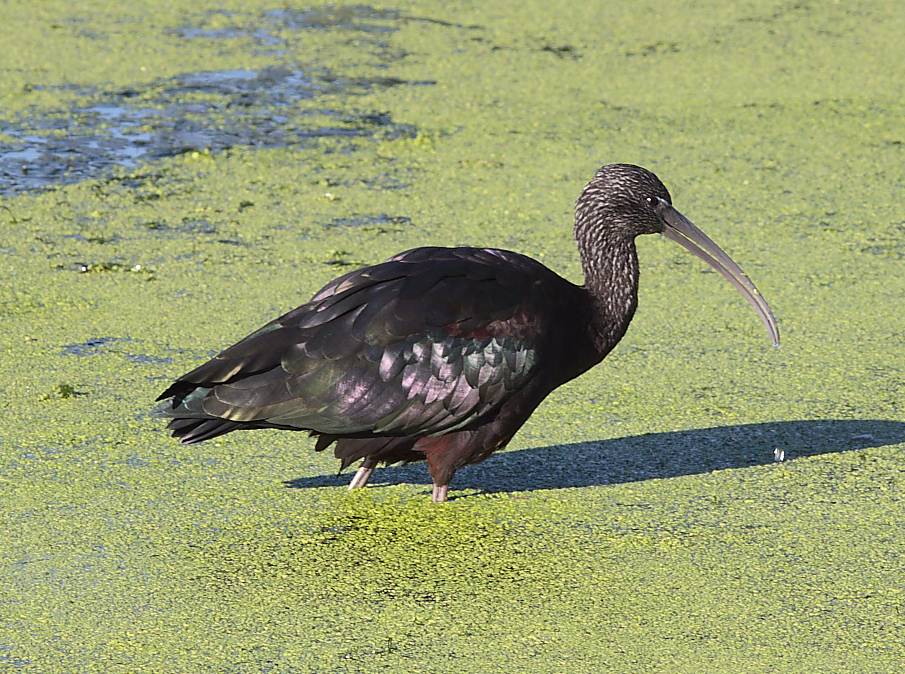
x=363 y=474
x=440 y=493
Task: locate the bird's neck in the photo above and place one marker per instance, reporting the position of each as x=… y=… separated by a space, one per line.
x=610 y=264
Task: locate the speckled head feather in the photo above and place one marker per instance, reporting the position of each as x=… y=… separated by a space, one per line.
x=620 y=199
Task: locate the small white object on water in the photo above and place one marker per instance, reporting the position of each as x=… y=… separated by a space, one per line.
x=779 y=455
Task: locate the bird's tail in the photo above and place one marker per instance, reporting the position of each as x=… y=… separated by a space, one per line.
x=188 y=421
x=191 y=430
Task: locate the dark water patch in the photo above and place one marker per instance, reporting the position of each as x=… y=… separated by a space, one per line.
x=383 y=181
x=195 y=227
x=565 y=51
x=271 y=30
x=655 y=49
x=188 y=226
x=137 y=462
x=7 y=659
x=370 y=220
x=371 y=82
x=98 y=239
x=93 y=346
x=201 y=112
x=363 y=18
x=233 y=242
x=259 y=35
x=262 y=28
x=381 y=124
x=99 y=346
x=892 y=248
x=145 y=359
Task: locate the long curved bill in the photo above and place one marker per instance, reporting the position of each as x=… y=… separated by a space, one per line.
x=683 y=231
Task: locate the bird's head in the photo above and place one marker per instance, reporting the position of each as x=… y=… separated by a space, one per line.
x=623 y=201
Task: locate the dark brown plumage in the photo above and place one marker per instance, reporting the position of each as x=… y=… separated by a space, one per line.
x=442 y=353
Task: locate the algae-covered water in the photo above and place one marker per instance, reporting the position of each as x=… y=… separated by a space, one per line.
x=172 y=175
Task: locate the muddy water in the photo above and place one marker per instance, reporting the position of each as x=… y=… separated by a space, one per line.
x=207 y=111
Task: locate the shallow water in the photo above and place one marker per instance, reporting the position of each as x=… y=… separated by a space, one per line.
x=208 y=111
x=194 y=170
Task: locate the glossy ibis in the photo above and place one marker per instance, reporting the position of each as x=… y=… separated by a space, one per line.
x=443 y=353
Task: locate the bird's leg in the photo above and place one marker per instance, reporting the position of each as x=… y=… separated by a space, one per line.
x=363 y=474
x=444 y=454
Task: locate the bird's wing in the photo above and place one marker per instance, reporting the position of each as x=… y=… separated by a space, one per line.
x=426 y=342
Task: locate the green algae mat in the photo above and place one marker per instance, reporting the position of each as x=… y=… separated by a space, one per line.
x=173 y=175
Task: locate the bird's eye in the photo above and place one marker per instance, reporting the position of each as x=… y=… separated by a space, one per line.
x=651 y=201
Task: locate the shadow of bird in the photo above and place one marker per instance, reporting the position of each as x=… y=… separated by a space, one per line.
x=650 y=456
